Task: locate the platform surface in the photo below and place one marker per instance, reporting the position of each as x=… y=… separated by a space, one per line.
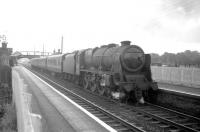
x=180 y=89
x=58 y=114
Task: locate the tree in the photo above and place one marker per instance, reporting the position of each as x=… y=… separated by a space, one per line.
x=186 y=58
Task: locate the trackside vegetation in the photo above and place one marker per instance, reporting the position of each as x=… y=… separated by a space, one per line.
x=8 y=120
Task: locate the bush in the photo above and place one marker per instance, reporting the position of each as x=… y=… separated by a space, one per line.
x=8 y=122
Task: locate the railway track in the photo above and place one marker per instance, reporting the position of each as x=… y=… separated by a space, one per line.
x=168 y=120
x=124 y=117
x=111 y=119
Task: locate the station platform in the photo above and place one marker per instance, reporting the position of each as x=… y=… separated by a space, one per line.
x=57 y=113
x=182 y=80
x=192 y=91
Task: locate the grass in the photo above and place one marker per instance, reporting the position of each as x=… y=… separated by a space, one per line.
x=8 y=123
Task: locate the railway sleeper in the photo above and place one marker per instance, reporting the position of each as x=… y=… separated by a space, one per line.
x=174 y=130
x=90 y=109
x=95 y=112
x=109 y=121
x=190 y=124
x=163 y=125
x=147 y=117
x=155 y=122
x=198 y=128
x=106 y=119
x=170 y=116
x=180 y=120
x=139 y=115
x=87 y=107
x=99 y=115
x=124 y=129
x=103 y=117
x=118 y=127
x=162 y=114
x=83 y=104
x=115 y=124
x=187 y=123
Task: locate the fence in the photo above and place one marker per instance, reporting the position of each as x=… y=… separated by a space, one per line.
x=177 y=75
x=26 y=121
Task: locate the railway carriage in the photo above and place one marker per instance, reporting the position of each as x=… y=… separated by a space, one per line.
x=54 y=63
x=70 y=66
x=39 y=63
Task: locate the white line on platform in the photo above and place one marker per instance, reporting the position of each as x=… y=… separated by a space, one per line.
x=187 y=93
x=81 y=108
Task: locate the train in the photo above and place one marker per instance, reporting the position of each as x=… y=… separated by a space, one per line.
x=5 y=74
x=120 y=72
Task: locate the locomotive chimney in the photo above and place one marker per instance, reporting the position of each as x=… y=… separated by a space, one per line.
x=4 y=45
x=125 y=43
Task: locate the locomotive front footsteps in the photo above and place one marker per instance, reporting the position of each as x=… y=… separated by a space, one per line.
x=119 y=72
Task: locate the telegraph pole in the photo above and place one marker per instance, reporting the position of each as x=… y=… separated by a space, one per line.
x=34 y=50
x=43 y=50
x=62 y=45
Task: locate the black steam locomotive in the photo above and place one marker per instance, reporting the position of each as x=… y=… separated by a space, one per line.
x=5 y=74
x=119 y=72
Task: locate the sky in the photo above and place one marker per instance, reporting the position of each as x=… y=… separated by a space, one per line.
x=156 y=26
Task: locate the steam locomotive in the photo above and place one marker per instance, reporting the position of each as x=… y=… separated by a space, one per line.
x=119 y=72
x=5 y=74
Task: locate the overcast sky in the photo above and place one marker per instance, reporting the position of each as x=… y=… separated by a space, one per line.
x=157 y=26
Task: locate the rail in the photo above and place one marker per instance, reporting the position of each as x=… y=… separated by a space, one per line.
x=112 y=120
x=152 y=117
